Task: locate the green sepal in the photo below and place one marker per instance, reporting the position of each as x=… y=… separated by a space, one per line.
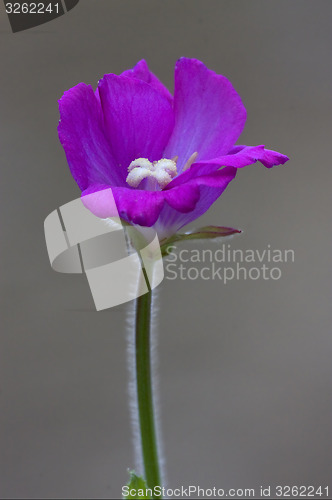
x=137 y=483
x=206 y=232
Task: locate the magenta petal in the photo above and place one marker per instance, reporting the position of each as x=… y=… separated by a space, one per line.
x=209 y=114
x=241 y=156
x=196 y=170
x=219 y=179
x=133 y=205
x=141 y=72
x=183 y=198
x=144 y=207
x=138 y=119
x=82 y=136
x=267 y=157
x=138 y=206
x=210 y=187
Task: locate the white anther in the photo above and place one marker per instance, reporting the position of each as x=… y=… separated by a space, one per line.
x=168 y=166
x=162 y=177
x=140 y=162
x=190 y=161
x=137 y=174
x=163 y=171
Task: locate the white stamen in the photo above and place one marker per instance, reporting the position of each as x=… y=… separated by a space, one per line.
x=190 y=161
x=136 y=175
x=163 y=171
x=140 y=162
x=168 y=165
x=163 y=178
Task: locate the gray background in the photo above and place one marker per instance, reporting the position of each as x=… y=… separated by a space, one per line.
x=245 y=371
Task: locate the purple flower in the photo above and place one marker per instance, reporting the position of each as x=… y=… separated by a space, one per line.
x=165 y=159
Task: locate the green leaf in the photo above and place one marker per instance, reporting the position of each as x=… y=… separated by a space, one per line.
x=206 y=232
x=138 y=484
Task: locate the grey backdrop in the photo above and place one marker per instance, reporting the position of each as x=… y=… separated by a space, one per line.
x=245 y=371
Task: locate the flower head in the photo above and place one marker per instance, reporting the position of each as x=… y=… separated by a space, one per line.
x=166 y=159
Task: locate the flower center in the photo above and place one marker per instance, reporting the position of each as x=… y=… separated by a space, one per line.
x=158 y=173
x=163 y=171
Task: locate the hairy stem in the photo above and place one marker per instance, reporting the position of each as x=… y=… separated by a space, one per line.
x=144 y=390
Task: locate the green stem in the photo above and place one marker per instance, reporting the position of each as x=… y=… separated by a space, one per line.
x=144 y=390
